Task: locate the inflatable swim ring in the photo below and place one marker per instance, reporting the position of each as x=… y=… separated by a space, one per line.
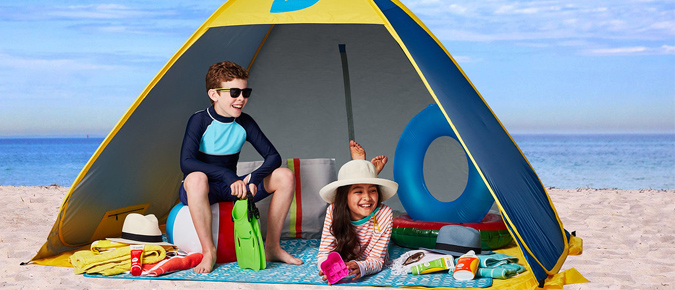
x=474 y=202
x=410 y=233
x=181 y=231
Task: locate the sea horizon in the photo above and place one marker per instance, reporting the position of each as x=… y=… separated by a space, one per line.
x=629 y=161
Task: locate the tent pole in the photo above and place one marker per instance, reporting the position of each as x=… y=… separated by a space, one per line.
x=348 y=91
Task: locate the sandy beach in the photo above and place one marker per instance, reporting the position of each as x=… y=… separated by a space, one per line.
x=629 y=241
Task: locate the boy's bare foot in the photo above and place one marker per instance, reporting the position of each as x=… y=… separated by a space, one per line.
x=277 y=254
x=207 y=263
x=379 y=162
x=358 y=153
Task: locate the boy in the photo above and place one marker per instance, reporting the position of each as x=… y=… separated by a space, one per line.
x=209 y=154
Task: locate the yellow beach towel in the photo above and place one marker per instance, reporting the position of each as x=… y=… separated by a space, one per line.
x=101 y=246
x=113 y=262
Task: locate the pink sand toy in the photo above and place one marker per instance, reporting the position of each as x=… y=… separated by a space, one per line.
x=334 y=268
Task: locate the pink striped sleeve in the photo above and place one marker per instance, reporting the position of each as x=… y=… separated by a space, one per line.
x=379 y=233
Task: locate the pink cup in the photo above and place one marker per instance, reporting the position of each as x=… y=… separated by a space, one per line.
x=334 y=268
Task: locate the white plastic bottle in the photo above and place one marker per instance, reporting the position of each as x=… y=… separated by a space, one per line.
x=466 y=267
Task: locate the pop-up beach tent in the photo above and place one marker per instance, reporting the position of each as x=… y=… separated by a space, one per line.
x=322 y=72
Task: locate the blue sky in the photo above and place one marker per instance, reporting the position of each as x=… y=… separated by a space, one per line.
x=73 y=67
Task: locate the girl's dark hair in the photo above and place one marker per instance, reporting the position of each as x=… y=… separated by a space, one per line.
x=347 y=242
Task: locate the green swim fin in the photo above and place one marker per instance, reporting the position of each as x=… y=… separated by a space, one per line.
x=258 y=234
x=248 y=241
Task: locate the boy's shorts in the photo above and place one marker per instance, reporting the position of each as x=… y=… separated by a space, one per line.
x=220 y=191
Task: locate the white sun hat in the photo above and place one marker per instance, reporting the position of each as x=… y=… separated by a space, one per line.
x=139 y=229
x=358 y=172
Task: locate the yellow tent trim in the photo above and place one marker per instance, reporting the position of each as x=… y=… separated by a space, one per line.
x=61 y=259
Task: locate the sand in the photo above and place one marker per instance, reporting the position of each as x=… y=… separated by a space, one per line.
x=629 y=242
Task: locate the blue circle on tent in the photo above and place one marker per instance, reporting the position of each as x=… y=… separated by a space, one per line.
x=474 y=202
x=281 y=6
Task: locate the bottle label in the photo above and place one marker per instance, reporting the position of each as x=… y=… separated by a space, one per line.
x=466 y=268
x=432 y=266
x=136 y=256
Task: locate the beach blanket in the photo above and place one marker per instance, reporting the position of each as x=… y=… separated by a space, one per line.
x=307 y=250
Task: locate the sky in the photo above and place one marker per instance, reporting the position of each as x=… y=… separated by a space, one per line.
x=71 y=68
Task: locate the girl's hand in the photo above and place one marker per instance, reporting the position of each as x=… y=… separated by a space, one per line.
x=323 y=277
x=354 y=269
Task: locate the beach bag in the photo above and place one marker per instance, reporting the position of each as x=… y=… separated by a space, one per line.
x=307 y=212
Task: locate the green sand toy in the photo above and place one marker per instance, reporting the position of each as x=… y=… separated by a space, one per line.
x=248 y=242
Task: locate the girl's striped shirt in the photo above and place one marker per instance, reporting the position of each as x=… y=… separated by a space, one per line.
x=374 y=236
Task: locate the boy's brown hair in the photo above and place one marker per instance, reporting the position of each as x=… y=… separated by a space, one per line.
x=224 y=72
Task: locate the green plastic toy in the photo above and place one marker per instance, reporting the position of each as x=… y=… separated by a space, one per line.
x=248 y=240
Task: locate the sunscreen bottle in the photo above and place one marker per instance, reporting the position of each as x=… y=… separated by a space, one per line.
x=466 y=268
x=432 y=266
x=136 y=259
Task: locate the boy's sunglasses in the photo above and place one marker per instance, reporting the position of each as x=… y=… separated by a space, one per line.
x=234 y=92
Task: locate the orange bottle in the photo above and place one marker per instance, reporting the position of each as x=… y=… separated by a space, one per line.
x=466 y=267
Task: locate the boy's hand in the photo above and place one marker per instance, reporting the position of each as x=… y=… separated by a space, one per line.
x=238 y=188
x=253 y=189
x=354 y=269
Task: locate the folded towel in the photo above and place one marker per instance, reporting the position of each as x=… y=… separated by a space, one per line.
x=114 y=261
x=496 y=259
x=172 y=264
x=498 y=266
x=503 y=271
x=101 y=246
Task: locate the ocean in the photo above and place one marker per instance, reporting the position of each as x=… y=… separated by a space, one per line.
x=628 y=161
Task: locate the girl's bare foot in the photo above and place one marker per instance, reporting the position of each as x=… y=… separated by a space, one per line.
x=277 y=254
x=379 y=162
x=207 y=263
x=358 y=153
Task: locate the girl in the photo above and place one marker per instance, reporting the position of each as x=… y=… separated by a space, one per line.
x=357 y=224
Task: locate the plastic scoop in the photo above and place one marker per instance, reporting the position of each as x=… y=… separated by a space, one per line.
x=334 y=268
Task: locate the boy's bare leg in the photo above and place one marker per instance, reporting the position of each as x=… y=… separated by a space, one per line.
x=197 y=188
x=379 y=162
x=282 y=183
x=357 y=152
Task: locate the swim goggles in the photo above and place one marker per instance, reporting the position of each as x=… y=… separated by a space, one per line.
x=234 y=92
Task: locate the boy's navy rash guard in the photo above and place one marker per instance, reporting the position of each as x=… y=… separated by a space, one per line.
x=212 y=144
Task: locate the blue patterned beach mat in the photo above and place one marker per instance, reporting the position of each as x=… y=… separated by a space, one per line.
x=280 y=273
